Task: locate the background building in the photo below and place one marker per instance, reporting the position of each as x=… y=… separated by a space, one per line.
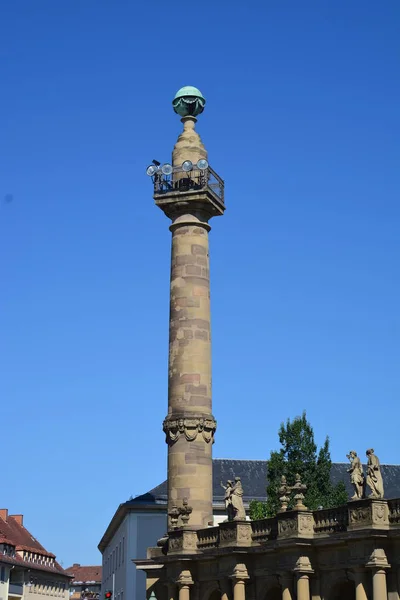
x=86 y=582
x=141 y=521
x=27 y=570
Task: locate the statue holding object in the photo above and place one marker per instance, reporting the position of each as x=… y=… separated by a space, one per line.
x=356 y=475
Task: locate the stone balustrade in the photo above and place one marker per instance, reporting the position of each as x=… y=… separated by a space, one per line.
x=208 y=538
x=368 y=514
x=264 y=530
x=394 y=511
x=331 y=520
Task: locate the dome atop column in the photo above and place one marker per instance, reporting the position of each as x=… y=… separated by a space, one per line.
x=188 y=103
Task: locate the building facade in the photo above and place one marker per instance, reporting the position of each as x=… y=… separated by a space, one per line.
x=27 y=570
x=85 y=582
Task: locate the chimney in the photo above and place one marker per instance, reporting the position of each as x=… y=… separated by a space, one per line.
x=4 y=513
x=19 y=519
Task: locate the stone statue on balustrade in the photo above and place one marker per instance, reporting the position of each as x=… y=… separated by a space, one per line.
x=356 y=475
x=228 y=499
x=234 y=500
x=374 y=475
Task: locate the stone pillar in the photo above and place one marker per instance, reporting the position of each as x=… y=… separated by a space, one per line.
x=378 y=563
x=239 y=591
x=303 y=586
x=379 y=584
x=360 y=582
x=189 y=425
x=239 y=578
x=303 y=571
x=184 y=582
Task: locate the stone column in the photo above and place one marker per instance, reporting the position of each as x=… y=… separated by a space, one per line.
x=189 y=425
x=303 y=586
x=184 y=582
x=379 y=584
x=378 y=563
x=239 y=591
x=303 y=571
x=239 y=578
x=360 y=584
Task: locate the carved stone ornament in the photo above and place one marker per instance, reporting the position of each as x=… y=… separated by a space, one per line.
x=227 y=534
x=190 y=427
x=175 y=543
x=361 y=514
x=306 y=523
x=286 y=527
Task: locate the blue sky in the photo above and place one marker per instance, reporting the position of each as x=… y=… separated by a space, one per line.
x=302 y=121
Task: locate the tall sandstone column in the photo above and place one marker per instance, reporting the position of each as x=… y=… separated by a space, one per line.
x=189 y=201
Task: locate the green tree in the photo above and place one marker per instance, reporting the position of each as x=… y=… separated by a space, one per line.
x=298 y=454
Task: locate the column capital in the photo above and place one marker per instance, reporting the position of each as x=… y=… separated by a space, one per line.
x=378 y=560
x=185 y=579
x=303 y=566
x=239 y=573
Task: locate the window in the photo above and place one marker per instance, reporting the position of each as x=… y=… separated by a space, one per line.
x=116 y=557
x=3 y=574
x=119 y=564
x=123 y=549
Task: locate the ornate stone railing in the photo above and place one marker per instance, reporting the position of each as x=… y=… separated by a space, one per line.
x=264 y=530
x=357 y=516
x=208 y=538
x=331 y=520
x=394 y=511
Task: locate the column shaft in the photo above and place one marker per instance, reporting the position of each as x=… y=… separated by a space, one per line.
x=184 y=592
x=239 y=590
x=303 y=587
x=190 y=422
x=379 y=585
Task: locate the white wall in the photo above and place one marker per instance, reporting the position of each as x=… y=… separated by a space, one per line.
x=4 y=582
x=115 y=560
x=136 y=533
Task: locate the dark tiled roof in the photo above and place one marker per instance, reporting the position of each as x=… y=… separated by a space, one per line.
x=85 y=573
x=14 y=533
x=253 y=474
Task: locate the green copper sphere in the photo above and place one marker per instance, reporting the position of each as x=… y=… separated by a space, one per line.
x=188 y=101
